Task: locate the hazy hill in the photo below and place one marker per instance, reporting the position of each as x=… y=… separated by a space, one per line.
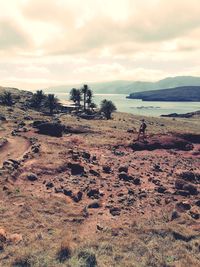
x=15 y=91
x=183 y=93
x=128 y=87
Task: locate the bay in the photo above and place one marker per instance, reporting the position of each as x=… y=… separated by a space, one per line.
x=139 y=107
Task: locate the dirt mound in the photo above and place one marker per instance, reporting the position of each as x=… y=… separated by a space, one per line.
x=191 y=137
x=162 y=142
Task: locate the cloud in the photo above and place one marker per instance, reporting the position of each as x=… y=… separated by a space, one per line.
x=64 y=40
x=82 y=28
x=12 y=37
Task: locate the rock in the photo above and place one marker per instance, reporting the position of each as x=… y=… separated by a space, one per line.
x=28 y=118
x=51 y=129
x=106 y=169
x=123 y=169
x=93 y=193
x=94 y=205
x=76 y=169
x=115 y=211
x=99 y=227
x=35 y=149
x=78 y=196
x=183 y=193
x=189 y=176
x=67 y=192
x=37 y=123
x=124 y=176
x=194 y=212
x=180 y=236
x=131 y=191
x=58 y=190
x=32 y=177
x=136 y=181
x=179 y=184
x=86 y=155
x=183 y=206
x=190 y=188
x=175 y=215
x=197 y=203
x=49 y=185
x=2 y=118
x=157 y=168
x=21 y=124
x=95 y=173
x=161 y=189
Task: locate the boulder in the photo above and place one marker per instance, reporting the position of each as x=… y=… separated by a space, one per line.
x=94 y=205
x=183 y=206
x=93 y=193
x=106 y=169
x=175 y=215
x=179 y=184
x=189 y=176
x=37 y=123
x=2 y=118
x=86 y=155
x=32 y=177
x=124 y=176
x=192 y=189
x=161 y=189
x=95 y=173
x=197 y=203
x=51 y=129
x=115 y=211
x=49 y=185
x=67 y=192
x=77 y=196
x=76 y=169
x=123 y=169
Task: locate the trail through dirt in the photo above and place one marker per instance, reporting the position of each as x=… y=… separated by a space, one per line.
x=15 y=148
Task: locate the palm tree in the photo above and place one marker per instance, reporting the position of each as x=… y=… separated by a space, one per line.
x=51 y=103
x=37 y=99
x=89 y=97
x=107 y=107
x=6 y=99
x=84 y=90
x=75 y=96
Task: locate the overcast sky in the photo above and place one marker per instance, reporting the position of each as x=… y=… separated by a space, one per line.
x=51 y=42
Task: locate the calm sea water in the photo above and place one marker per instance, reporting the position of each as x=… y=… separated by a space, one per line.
x=139 y=107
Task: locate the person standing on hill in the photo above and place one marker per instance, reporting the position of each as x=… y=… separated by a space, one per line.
x=142 y=130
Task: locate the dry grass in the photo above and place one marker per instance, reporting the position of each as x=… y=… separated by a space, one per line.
x=54 y=229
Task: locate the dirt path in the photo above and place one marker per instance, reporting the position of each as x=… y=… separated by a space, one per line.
x=14 y=149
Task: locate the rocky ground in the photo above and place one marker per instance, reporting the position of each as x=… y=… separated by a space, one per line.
x=97 y=197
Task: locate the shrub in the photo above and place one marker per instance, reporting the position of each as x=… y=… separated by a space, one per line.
x=107 y=107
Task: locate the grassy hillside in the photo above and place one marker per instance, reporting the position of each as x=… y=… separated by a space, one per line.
x=185 y=93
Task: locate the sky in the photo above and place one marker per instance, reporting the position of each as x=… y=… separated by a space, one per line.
x=55 y=42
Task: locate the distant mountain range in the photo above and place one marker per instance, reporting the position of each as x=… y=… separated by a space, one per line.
x=128 y=87
x=183 y=93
